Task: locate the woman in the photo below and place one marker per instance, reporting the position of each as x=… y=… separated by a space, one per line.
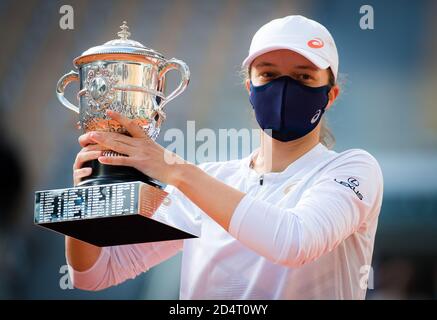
x=294 y=220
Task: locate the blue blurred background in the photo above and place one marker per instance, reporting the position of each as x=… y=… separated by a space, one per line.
x=387 y=107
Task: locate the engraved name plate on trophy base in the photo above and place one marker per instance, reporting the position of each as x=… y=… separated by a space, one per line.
x=107 y=215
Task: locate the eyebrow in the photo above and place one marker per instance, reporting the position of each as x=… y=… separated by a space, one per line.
x=307 y=67
x=302 y=67
x=265 y=64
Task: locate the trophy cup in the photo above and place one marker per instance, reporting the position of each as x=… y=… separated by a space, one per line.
x=115 y=205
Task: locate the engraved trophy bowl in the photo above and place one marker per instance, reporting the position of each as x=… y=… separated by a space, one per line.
x=125 y=76
x=117 y=205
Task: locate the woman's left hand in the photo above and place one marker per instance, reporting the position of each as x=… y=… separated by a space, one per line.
x=141 y=152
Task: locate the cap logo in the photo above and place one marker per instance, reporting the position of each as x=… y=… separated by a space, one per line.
x=316 y=43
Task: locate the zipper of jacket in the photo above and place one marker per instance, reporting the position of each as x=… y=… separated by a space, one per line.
x=261 y=179
x=261 y=176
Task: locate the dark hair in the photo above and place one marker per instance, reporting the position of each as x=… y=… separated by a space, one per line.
x=327 y=137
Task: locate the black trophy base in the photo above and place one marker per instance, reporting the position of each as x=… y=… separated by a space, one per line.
x=119 y=230
x=105 y=174
x=115 y=205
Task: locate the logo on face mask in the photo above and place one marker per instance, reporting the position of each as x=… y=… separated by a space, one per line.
x=316 y=116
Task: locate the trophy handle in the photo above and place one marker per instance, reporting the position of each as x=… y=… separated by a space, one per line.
x=60 y=88
x=175 y=64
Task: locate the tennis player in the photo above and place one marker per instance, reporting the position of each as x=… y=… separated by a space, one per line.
x=293 y=220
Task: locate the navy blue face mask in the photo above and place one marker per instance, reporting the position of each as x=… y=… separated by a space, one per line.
x=290 y=109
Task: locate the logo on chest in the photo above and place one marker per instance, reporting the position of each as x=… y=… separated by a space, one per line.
x=290 y=187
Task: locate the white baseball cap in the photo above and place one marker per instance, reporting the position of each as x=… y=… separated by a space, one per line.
x=299 y=34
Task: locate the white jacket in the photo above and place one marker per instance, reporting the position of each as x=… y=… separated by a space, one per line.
x=304 y=233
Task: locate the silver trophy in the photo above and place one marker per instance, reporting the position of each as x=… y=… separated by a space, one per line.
x=115 y=205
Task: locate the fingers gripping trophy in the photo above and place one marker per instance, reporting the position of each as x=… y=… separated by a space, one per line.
x=115 y=204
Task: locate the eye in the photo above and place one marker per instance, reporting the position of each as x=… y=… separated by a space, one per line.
x=304 y=77
x=267 y=75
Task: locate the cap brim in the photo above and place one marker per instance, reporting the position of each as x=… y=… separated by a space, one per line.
x=314 y=58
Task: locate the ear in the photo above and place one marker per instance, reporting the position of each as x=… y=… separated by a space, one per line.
x=247 y=85
x=332 y=94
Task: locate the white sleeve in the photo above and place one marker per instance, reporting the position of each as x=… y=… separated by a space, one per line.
x=119 y=263
x=338 y=204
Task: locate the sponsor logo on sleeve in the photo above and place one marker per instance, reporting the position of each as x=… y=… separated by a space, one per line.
x=351 y=183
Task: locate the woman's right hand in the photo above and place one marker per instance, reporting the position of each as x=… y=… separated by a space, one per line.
x=81 y=255
x=88 y=152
